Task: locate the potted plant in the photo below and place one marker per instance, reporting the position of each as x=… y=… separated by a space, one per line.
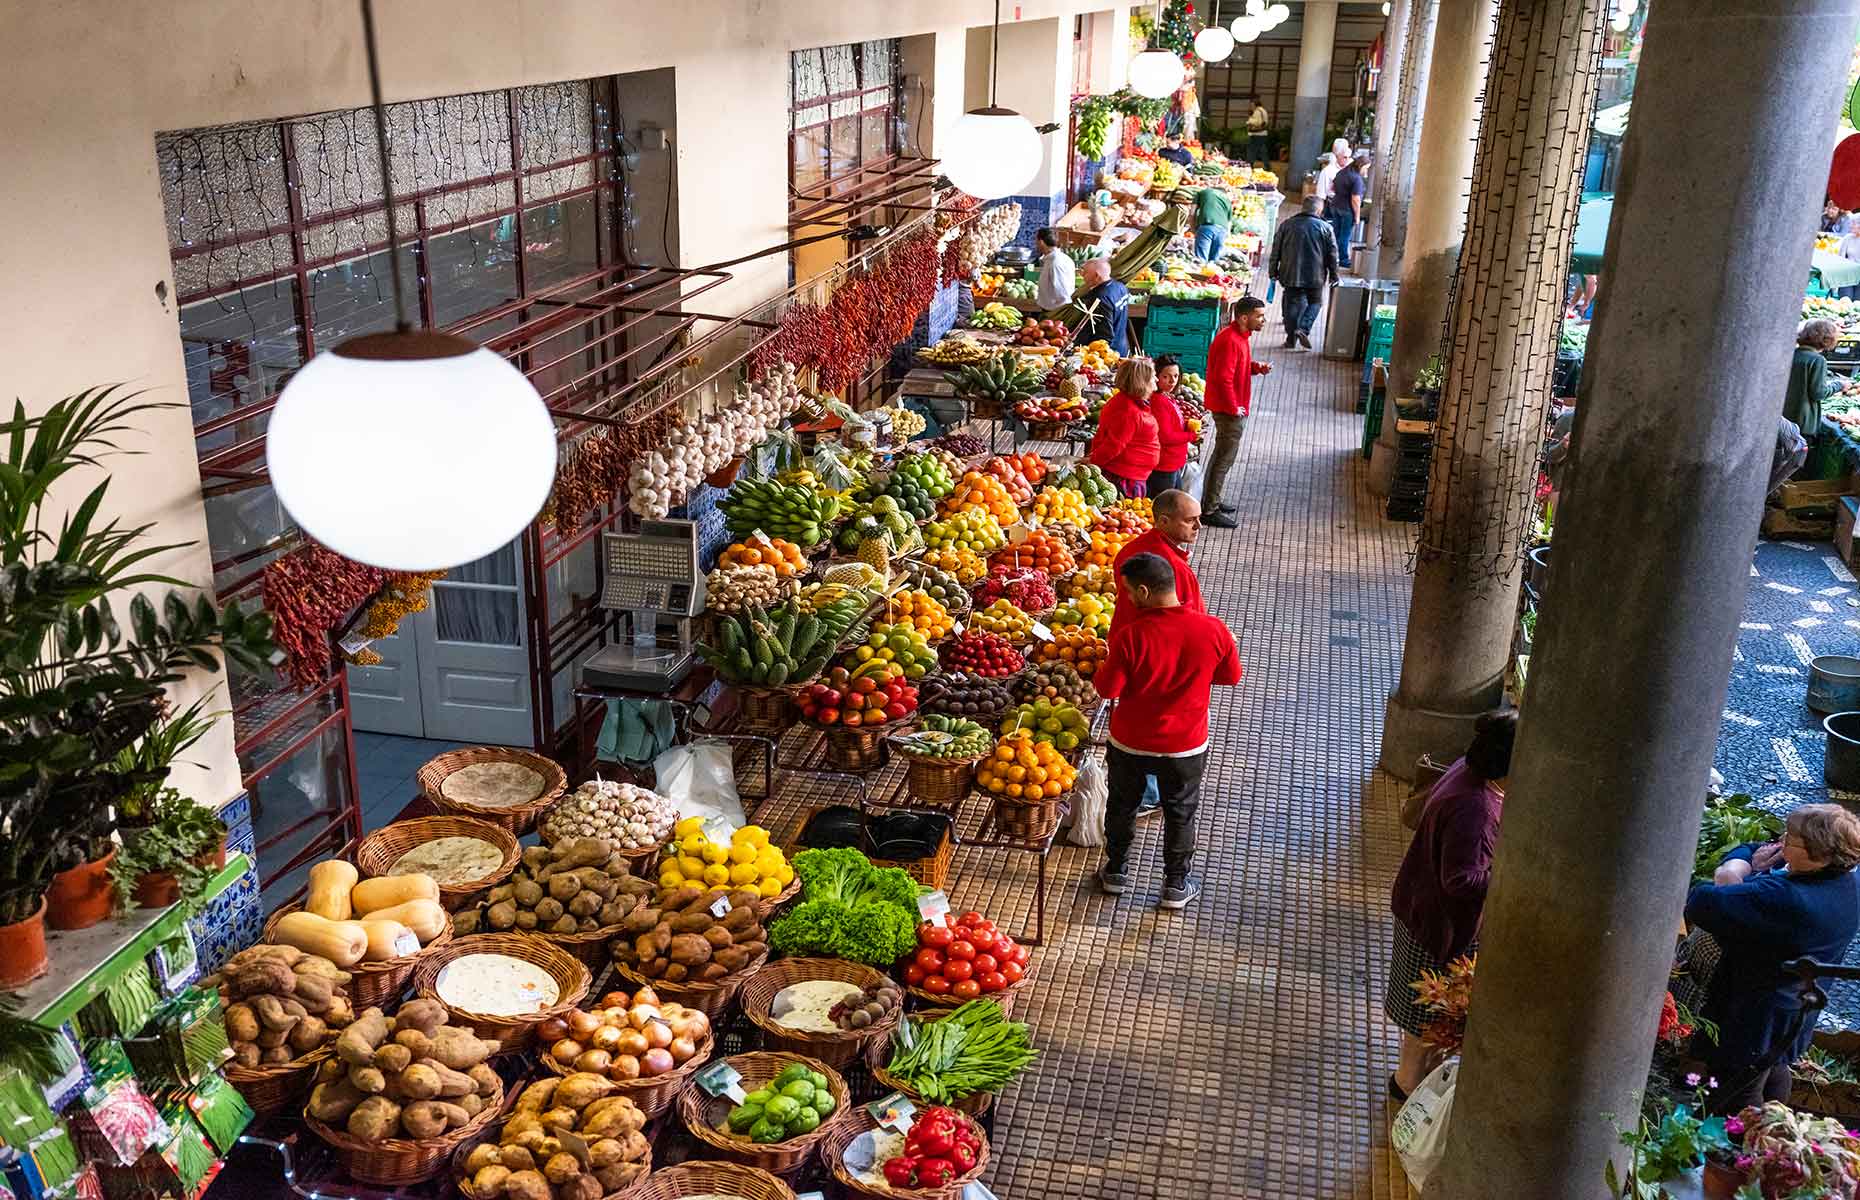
x=1669 y=1141
x=75 y=689
x=1786 y=1153
x=173 y=857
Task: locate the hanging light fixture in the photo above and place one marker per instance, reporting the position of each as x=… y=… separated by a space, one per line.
x=1247 y=29
x=1156 y=74
x=414 y=450
x=1255 y=8
x=1279 y=14
x=1385 y=7
x=993 y=151
x=1213 y=44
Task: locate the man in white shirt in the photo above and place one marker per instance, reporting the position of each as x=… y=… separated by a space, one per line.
x=1338 y=160
x=1057 y=271
x=1258 y=127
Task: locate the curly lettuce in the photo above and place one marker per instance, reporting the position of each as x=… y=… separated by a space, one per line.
x=849 y=909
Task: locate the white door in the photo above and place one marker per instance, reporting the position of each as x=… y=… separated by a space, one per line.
x=474 y=665
x=385 y=698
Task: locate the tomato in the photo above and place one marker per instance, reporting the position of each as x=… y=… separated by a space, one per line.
x=937 y=936
x=969 y=918
x=984 y=943
x=896 y=711
x=1012 y=972
x=992 y=981
x=985 y=926
x=936 y=985
x=915 y=975
x=963 y=949
x=985 y=963
x=929 y=959
x=958 y=969
x=1020 y=955
x=968 y=989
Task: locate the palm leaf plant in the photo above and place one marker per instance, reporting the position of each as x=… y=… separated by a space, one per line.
x=76 y=689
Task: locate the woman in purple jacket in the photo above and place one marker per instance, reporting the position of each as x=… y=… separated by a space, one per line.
x=1440 y=890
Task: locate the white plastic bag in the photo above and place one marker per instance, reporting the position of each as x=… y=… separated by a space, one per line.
x=701 y=780
x=1090 y=795
x=1419 y=1134
x=1189 y=479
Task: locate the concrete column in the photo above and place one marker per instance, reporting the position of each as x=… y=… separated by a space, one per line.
x=1388 y=94
x=1508 y=303
x=1313 y=102
x=1397 y=163
x=1437 y=204
x=1628 y=678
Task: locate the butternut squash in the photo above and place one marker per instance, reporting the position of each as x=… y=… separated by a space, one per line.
x=330 y=882
x=371 y=895
x=341 y=942
x=424 y=917
x=388 y=939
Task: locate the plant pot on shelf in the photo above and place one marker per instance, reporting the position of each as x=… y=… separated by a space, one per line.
x=22 y=950
x=82 y=896
x=157 y=889
x=1721 y=1180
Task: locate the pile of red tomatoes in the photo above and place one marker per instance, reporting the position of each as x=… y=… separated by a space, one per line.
x=965 y=957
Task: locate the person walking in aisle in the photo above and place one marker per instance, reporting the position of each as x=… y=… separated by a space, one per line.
x=1128 y=443
x=1303 y=262
x=1809 y=384
x=1108 y=304
x=1335 y=161
x=1162 y=665
x=1214 y=215
x=1343 y=206
x=1058 y=274
x=1258 y=127
x=1230 y=398
x=1172 y=432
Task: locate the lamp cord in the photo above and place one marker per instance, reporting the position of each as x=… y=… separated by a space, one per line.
x=401 y=323
x=994 y=54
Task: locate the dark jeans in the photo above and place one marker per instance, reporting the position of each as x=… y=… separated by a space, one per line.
x=1179 y=781
x=1162 y=481
x=1774 y=1084
x=1300 y=306
x=1256 y=147
x=1343 y=224
x=1227 y=430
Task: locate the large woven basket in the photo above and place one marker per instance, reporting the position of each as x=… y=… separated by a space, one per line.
x=393 y=1162
x=379 y=851
x=518 y=818
x=844 y=1133
x=654 y=1095
x=511 y=1033
x=836 y=1049
x=932 y=872
x=703 y=1113
x=765 y=906
x=272 y=1089
x=941 y=782
x=763 y=709
x=1028 y=822
x=712 y=1179
x=712 y=999
x=878 y=1053
x=463 y=1151
x=858 y=750
x=376 y=984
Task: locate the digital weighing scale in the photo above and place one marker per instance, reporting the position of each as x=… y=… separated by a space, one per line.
x=653 y=577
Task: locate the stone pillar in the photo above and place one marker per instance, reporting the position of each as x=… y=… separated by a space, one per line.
x=1388 y=96
x=1436 y=212
x=1653 y=545
x=1313 y=102
x=1397 y=183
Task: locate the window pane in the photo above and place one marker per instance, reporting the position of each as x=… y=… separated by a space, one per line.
x=498 y=567
x=357 y=296
x=472 y=270
x=293 y=806
x=239 y=351
x=477 y=615
x=810 y=156
x=561 y=241
x=845 y=146
x=876 y=144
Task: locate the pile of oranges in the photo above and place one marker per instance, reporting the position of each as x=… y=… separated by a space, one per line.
x=761 y=550
x=1008 y=471
x=985 y=493
x=921 y=611
x=1072 y=644
x=1025 y=769
x=1041 y=551
x=1104 y=548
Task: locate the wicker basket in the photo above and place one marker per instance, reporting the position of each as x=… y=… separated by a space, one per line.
x=931 y=1006
x=878 y=1053
x=766 y=906
x=380 y=850
x=764 y=709
x=518 y=818
x=703 y=1112
x=941 y=782
x=589 y=946
x=511 y=1033
x=711 y=999
x=858 y=750
x=654 y=1095
x=394 y=1162
x=932 y=872
x=272 y=1089
x=712 y=1179
x=1027 y=822
x=836 y=1049
x=845 y=1133
x=376 y=984
x=463 y=1150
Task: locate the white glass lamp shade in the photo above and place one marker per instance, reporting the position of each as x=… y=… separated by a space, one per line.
x=1156 y=74
x=1248 y=29
x=1214 y=44
x=412 y=451
x=1279 y=13
x=1385 y=7
x=993 y=152
x=1255 y=8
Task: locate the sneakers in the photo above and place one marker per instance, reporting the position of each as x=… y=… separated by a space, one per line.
x=1147 y=812
x=1220 y=520
x=1177 y=895
x=1291 y=341
x=1304 y=339
x=1112 y=882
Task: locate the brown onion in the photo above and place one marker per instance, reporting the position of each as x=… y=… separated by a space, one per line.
x=552 y=1030
x=596 y=1061
x=642 y=1015
x=583 y=1023
x=682 y=1049
x=607 y=1038
x=625 y=1066
x=566 y=1051
x=633 y=1042
x=658 y=1034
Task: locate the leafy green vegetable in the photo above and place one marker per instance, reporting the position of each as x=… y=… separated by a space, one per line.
x=1730 y=822
x=974 y=1049
x=849 y=909
x=848 y=876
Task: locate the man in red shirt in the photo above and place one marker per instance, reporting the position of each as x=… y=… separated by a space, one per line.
x=1230 y=398
x=1161 y=667
x=1177 y=523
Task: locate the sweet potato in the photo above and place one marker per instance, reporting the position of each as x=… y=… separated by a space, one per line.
x=241 y=1023
x=246 y=1054
x=430 y=1118
x=271 y=1013
x=561 y=1168
x=674 y=973
x=485 y=1154
x=559 y=1118
x=371 y=1080
x=276 y=1056
x=332 y=1102
x=308 y=1034
x=487 y=1182
x=527 y=1185
x=270 y=1038
x=689 y=949
x=710 y=972
x=517 y=1158
x=264 y=975
x=313 y=992
x=423 y=1015
x=640 y=920
x=484 y=1079
x=460 y=1049
x=451 y=1083
x=613 y=1122
x=718 y=937
x=615 y=1178
x=418 y=1082
x=536 y=1097
x=581 y=1187
x=393 y=1058
x=739 y=919
x=733 y=958
x=679 y=899
x=473 y=1104
x=417 y=1043
x=581 y=1089
x=340 y=1014
x=692 y=922
x=357 y=1044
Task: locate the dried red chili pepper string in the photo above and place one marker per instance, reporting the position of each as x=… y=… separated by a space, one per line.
x=308 y=593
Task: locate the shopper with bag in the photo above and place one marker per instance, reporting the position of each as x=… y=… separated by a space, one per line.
x=1162 y=665
x=1439 y=893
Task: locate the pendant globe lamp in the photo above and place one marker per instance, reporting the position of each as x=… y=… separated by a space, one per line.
x=412 y=450
x=993 y=152
x=1248 y=29
x=1156 y=74
x=1214 y=44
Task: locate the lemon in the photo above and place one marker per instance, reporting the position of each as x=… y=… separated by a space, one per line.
x=742 y=852
x=716 y=874
x=688 y=826
x=755 y=835
x=770 y=861
x=769 y=887
x=744 y=873
x=785 y=874
x=713 y=853
x=693 y=843
x=690 y=866
x=670 y=878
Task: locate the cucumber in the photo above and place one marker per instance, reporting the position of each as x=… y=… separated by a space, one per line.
x=784 y=629
x=761 y=674
x=731 y=635
x=740 y=664
x=806 y=633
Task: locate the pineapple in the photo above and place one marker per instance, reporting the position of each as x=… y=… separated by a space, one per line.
x=1069 y=388
x=875 y=552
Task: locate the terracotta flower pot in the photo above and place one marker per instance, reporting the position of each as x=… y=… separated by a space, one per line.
x=82 y=896
x=215 y=858
x=22 y=950
x=157 y=889
x=1721 y=1180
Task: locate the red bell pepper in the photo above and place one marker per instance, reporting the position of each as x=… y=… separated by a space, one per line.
x=901 y=1172
x=932 y=1138
x=963 y=1154
x=935 y=1172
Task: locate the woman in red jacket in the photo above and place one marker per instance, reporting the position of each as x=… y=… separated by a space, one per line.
x=1128 y=444
x=1171 y=427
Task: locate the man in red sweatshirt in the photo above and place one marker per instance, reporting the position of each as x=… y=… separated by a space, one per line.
x=1177 y=523
x=1230 y=398
x=1162 y=666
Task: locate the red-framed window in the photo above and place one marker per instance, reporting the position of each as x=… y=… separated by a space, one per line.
x=845 y=105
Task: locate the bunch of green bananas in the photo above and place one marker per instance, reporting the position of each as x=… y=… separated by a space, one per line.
x=1001 y=379
x=799 y=514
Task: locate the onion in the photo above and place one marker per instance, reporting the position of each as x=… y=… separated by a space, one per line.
x=658 y=1034
x=682 y=1048
x=566 y=1051
x=607 y=1038
x=632 y=1042
x=642 y=1014
x=656 y=1062
x=596 y=1061
x=625 y=1066
x=552 y=1030
x=583 y=1023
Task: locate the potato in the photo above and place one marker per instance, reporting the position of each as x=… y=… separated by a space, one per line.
x=560 y=1118
x=581 y=1089
x=617 y=1178
x=276 y=1056
x=483 y=1155
x=241 y=1023
x=487 y=1182
x=527 y=1185
x=581 y=1187
x=561 y=1168
x=374 y=1119
x=535 y=1098
x=516 y=1158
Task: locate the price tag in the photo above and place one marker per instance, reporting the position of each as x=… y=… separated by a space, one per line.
x=1042 y=632
x=722 y=1079
x=355 y=643
x=406 y=942
x=957 y=629
x=933 y=906
x=810 y=1196
x=575 y=1145
x=720 y=907
x=893 y=1112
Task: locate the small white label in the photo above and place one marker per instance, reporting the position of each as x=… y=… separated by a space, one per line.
x=957 y=629
x=355 y=643
x=720 y=907
x=405 y=942
x=933 y=906
x=1042 y=632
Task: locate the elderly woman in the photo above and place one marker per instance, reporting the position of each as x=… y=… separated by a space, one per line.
x=1809 y=383
x=1765 y=906
x=1128 y=443
x=1439 y=893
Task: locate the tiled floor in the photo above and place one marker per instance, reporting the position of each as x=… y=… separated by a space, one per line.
x=384 y=767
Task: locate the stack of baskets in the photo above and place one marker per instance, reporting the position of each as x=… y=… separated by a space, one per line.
x=519 y=819
x=510 y=1032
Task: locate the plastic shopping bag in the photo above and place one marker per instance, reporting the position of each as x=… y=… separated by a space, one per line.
x=1420 y=1131
x=701 y=780
x=1090 y=795
x=1189 y=479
